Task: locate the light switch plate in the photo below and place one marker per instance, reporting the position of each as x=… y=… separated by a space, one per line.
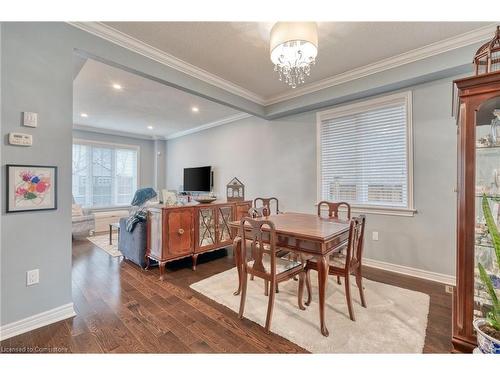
x=375 y=236
x=32 y=277
x=30 y=119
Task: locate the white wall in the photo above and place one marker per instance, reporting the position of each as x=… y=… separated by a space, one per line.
x=279 y=158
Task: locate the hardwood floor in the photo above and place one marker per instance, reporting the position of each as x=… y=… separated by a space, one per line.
x=123 y=309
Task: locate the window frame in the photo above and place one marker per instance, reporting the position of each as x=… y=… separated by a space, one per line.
x=113 y=145
x=363 y=106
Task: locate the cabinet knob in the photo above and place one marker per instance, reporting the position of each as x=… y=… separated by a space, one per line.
x=180 y=231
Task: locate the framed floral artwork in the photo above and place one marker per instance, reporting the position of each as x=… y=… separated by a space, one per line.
x=31 y=188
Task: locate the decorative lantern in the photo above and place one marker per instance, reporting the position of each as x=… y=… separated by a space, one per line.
x=487 y=58
x=235 y=190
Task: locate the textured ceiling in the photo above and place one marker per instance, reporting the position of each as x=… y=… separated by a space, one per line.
x=239 y=51
x=140 y=103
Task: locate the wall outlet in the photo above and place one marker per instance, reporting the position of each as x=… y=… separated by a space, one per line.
x=375 y=236
x=448 y=289
x=32 y=277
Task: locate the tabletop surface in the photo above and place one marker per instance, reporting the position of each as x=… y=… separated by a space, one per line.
x=305 y=225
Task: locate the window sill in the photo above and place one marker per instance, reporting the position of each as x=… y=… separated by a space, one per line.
x=108 y=208
x=374 y=210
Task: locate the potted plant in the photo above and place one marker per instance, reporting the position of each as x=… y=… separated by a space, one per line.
x=488 y=329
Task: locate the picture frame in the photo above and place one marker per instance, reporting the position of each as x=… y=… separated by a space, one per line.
x=31 y=188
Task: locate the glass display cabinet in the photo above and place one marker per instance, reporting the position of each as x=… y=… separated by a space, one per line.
x=478 y=120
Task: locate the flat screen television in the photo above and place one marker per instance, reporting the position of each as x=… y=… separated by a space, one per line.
x=198 y=179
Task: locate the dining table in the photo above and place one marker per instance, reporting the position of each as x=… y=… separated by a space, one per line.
x=303 y=234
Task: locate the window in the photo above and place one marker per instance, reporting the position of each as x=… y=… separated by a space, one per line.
x=365 y=155
x=104 y=174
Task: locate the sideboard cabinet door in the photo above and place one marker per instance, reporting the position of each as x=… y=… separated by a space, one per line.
x=205 y=227
x=242 y=210
x=180 y=232
x=224 y=217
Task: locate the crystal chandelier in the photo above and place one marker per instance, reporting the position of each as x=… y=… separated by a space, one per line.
x=294 y=47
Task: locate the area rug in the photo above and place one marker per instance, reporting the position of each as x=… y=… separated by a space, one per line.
x=395 y=320
x=102 y=242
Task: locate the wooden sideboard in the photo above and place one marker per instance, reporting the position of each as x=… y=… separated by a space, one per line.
x=175 y=232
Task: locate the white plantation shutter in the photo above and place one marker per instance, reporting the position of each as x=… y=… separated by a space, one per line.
x=364 y=154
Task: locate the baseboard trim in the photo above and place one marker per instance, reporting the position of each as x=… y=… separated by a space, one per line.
x=410 y=271
x=36 y=321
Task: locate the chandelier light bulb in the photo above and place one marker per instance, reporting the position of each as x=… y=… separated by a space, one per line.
x=294 y=47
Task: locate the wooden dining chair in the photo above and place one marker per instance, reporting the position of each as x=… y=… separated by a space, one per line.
x=341 y=265
x=267 y=203
x=261 y=212
x=333 y=209
x=333 y=212
x=265 y=264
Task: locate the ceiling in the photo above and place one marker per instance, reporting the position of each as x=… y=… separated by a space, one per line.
x=140 y=103
x=239 y=51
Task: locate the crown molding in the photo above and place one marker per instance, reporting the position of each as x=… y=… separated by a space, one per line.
x=117 y=37
x=118 y=133
x=433 y=49
x=112 y=35
x=209 y=125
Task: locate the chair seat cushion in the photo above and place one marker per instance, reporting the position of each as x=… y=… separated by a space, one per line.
x=337 y=260
x=282 y=264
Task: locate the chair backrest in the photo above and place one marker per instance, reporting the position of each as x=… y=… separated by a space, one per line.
x=266 y=203
x=253 y=236
x=256 y=212
x=333 y=208
x=355 y=243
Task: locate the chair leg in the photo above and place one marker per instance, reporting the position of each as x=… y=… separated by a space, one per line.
x=359 y=283
x=348 y=297
x=266 y=288
x=244 y=278
x=308 y=286
x=338 y=280
x=302 y=277
x=277 y=288
x=270 y=307
x=251 y=277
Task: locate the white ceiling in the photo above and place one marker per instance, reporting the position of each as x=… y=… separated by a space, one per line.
x=140 y=103
x=239 y=51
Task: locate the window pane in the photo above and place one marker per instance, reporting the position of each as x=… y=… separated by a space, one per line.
x=80 y=174
x=102 y=182
x=126 y=170
x=364 y=157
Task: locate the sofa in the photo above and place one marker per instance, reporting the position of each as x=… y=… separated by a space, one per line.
x=83 y=222
x=133 y=244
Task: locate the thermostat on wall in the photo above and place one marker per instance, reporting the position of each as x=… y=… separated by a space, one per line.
x=20 y=139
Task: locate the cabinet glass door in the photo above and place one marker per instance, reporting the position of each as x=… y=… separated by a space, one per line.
x=487 y=202
x=206 y=227
x=224 y=217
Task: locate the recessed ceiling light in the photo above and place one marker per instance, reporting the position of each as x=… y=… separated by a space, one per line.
x=195 y=109
x=84 y=115
x=117 y=86
x=150 y=127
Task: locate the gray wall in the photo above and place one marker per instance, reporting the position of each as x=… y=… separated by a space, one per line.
x=146 y=153
x=37 y=62
x=279 y=158
x=37 y=75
